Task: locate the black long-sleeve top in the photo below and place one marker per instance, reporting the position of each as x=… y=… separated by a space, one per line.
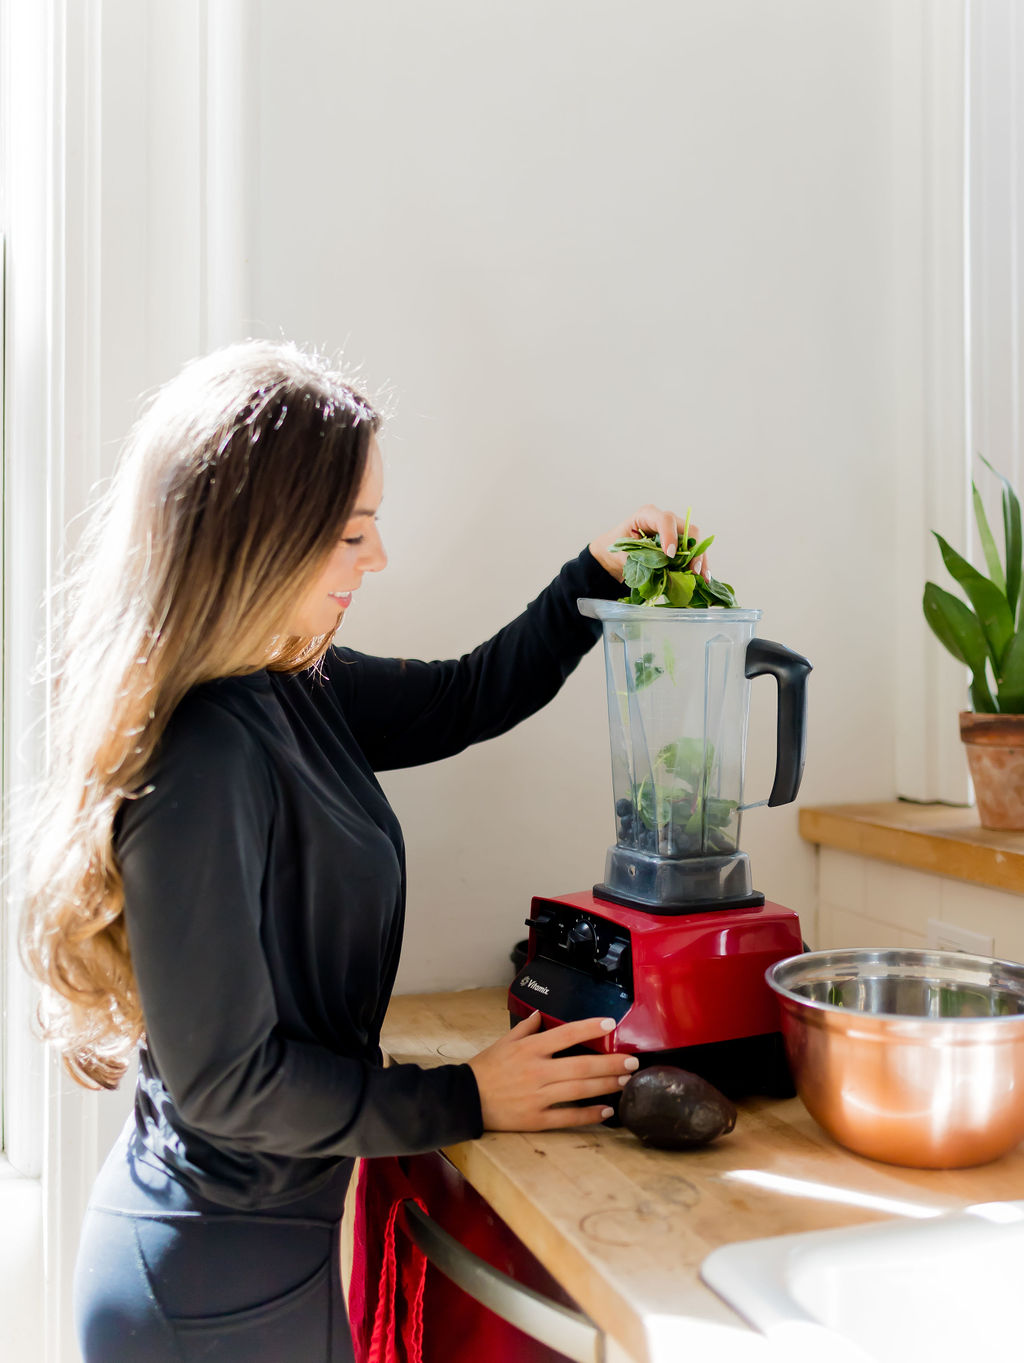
x=264 y=881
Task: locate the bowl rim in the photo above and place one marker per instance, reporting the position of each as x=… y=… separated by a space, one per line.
x=916 y=955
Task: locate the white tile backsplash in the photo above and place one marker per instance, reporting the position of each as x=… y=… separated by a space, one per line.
x=842 y=927
x=841 y=877
x=910 y=939
x=864 y=902
x=995 y=913
x=899 y=895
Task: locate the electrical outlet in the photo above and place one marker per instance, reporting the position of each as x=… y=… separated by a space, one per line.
x=949 y=937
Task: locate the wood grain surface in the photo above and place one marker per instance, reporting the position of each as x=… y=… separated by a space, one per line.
x=946 y=840
x=625 y=1228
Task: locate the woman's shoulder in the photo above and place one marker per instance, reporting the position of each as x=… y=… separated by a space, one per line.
x=208 y=738
x=207 y=770
x=343 y=670
x=212 y=711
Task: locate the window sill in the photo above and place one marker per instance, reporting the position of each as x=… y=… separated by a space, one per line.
x=945 y=840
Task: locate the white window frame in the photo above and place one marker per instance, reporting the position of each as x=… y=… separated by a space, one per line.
x=996 y=257
x=960 y=306
x=931 y=480
x=51 y=157
x=129 y=253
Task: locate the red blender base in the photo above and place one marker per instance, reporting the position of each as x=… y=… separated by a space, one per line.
x=685 y=989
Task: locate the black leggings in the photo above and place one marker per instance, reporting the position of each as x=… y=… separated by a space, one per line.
x=164 y=1276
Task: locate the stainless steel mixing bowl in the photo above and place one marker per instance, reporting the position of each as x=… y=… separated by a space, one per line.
x=912 y=1057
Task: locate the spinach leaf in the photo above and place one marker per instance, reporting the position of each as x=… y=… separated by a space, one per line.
x=687 y=759
x=651 y=558
x=679 y=588
x=670 y=660
x=645 y=670
x=654 y=586
x=635 y=572
x=655 y=579
x=713 y=593
x=654 y=808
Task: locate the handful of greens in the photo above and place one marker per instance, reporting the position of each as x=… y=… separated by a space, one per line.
x=654 y=579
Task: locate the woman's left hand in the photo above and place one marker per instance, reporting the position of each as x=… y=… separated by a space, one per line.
x=643 y=522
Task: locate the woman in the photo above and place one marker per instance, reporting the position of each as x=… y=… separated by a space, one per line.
x=218 y=880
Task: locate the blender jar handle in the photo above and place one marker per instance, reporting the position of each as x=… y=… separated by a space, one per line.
x=790 y=672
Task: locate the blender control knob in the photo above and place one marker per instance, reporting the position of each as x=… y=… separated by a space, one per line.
x=583 y=941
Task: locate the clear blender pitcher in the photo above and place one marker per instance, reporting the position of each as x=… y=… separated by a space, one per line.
x=678 y=690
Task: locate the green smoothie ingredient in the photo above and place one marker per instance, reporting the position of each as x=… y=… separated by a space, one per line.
x=670 y=807
x=654 y=579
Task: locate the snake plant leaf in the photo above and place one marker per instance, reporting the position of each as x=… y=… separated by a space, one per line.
x=1011 y=679
x=1012 y=534
x=990 y=605
x=988 y=543
x=1014 y=547
x=958 y=629
x=679 y=588
x=982 y=702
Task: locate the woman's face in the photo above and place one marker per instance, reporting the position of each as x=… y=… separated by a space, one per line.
x=359 y=550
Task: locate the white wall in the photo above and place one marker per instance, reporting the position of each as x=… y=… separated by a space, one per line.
x=598 y=254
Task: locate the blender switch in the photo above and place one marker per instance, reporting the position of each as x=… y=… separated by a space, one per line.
x=543 y=920
x=612 y=958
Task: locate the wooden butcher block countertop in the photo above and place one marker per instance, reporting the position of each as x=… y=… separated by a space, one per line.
x=625 y=1228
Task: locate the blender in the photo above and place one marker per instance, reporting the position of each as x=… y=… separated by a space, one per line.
x=674 y=941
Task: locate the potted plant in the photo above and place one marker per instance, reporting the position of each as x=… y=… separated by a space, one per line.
x=987 y=634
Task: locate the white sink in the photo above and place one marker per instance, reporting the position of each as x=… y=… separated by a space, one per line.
x=951 y=1288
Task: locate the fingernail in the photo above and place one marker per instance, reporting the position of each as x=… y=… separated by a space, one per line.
x=632 y=1063
x=624 y=1080
x=670 y=549
x=607 y=1112
x=608 y=1025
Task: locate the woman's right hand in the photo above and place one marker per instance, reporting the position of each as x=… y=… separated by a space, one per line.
x=520 y=1079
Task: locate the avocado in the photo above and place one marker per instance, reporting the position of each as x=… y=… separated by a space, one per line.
x=673 y=1109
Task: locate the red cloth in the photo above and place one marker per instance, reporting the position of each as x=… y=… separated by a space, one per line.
x=386 y=1288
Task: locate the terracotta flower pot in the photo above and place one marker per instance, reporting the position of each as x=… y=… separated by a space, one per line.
x=995 y=756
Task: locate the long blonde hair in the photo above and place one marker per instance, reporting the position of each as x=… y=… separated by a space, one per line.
x=232 y=487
